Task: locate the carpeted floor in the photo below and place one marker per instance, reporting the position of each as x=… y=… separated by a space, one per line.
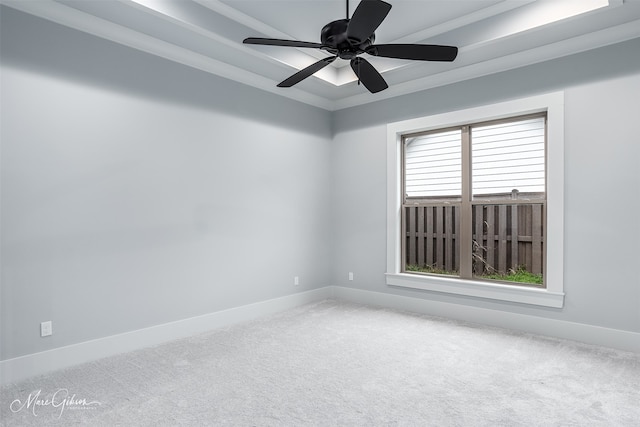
x=337 y=363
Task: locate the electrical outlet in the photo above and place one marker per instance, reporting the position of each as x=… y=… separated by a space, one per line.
x=296 y=281
x=46 y=328
x=351 y=275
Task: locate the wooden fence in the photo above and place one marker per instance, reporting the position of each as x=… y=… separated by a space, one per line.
x=505 y=236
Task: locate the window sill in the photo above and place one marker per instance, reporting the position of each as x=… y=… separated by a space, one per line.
x=501 y=292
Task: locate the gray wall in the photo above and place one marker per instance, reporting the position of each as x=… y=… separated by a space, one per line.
x=602 y=182
x=136 y=191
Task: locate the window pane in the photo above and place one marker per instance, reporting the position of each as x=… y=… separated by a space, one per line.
x=508 y=242
x=508 y=158
x=432 y=242
x=433 y=165
x=497 y=233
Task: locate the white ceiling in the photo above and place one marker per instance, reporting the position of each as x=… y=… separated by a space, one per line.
x=492 y=36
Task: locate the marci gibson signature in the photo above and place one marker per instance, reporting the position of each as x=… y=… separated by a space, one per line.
x=60 y=400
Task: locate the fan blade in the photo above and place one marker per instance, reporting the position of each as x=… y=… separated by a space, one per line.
x=306 y=72
x=367 y=17
x=279 y=42
x=420 y=52
x=369 y=76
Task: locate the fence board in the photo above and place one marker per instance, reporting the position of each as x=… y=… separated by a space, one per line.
x=515 y=242
x=430 y=258
x=479 y=237
x=421 y=259
x=439 y=242
x=491 y=237
x=457 y=237
x=502 y=238
x=412 y=235
x=448 y=238
x=523 y=224
x=536 y=236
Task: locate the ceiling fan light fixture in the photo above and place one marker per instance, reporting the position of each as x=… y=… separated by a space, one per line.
x=349 y=38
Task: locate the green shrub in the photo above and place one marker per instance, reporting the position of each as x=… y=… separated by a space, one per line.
x=520 y=275
x=429 y=269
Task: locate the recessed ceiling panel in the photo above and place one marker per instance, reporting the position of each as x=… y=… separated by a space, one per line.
x=412 y=16
x=300 y=19
x=491 y=36
x=304 y=19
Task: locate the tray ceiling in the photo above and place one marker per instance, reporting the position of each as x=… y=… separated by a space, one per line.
x=492 y=35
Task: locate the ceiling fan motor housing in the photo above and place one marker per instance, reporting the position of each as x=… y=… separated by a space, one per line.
x=334 y=37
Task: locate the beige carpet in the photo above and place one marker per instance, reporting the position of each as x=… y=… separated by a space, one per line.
x=336 y=363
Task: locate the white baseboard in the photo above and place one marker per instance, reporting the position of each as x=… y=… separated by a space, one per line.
x=589 y=334
x=23 y=367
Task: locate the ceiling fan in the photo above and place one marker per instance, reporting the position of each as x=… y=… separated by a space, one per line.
x=348 y=38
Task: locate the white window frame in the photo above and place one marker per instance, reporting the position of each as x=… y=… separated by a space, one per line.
x=553 y=294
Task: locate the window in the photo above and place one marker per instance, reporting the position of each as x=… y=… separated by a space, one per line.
x=474 y=201
x=477 y=195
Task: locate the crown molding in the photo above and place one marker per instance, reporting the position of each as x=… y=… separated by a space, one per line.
x=334 y=95
x=72 y=18
x=556 y=50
